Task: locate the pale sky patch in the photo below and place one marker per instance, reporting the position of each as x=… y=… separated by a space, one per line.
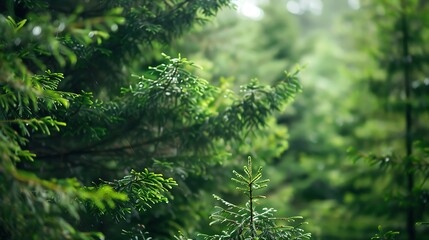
x=249 y=8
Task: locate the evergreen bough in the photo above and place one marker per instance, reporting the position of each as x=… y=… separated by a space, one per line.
x=77 y=164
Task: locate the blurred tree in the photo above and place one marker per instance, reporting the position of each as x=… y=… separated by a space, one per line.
x=396 y=130
x=240 y=48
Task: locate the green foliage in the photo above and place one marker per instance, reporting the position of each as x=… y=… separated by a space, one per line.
x=31 y=106
x=247 y=222
x=34 y=39
x=28 y=201
x=143 y=189
x=198 y=115
x=75 y=129
x=390 y=235
x=302 y=145
x=400 y=137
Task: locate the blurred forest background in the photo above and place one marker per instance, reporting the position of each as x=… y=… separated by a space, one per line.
x=349 y=153
x=350 y=100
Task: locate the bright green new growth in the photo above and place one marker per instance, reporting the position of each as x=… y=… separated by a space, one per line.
x=389 y=235
x=144 y=189
x=248 y=222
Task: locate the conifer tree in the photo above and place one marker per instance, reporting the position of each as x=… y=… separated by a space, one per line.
x=399 y=85
x=86 y=149
x=250 y=221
